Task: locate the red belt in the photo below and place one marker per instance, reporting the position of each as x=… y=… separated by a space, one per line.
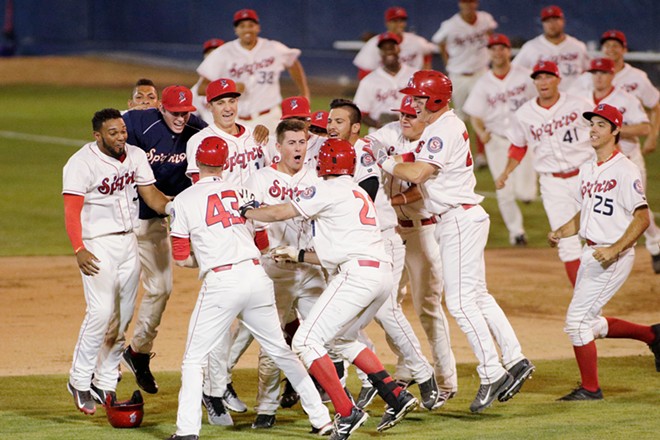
x=590 y=243
x=567 y=174
x=466 y=206
x=249 y=118
x=369 y=263
x=423 y=222
x=229 y=266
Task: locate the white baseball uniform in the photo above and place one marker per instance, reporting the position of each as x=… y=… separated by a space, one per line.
x=297 y=285
x=348 y=243
x=422 y=262
x=636 y=82
x=259 y=69
x=462 y=233
x=109 y=217
x=570 y=56
x=467 y=54
x=559 y=140
x=493 y=100
x=413 y=50
x=400 y=335
x=609 y=193
x=234 y=285
x=378 y=93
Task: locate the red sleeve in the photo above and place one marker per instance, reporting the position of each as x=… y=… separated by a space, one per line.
x=194 y=177
x=73 y=205
x=362 y=73
x=517 y=153
x=428 y=58
x=180 y=248
x=261 y=239
x=408 y=157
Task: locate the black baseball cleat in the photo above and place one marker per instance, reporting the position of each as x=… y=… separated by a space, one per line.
x=183 y=437
x=343 y=427
x=366 y=396
x=488 y=393
x=392 y=416
x=323 y=430
x=138 y=363
x=655 y=345
x=520 y=240
x=83 y=400
x=232 y=401
x=521 y=371
x=443 y=398
x=289 y=395
x=216 y=411
x=99 y=395
x=264 y=421
x=580 y=393
x=429 y=392
x=655 y=262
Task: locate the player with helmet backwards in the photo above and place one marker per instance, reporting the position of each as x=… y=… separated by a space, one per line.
x=348 y=244
x=613 y=215
x=444 y=170
x=206 y=216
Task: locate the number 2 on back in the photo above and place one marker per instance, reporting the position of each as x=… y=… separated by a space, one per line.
x=365 y=218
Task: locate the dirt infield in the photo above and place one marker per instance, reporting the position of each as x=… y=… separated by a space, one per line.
x=43 y=307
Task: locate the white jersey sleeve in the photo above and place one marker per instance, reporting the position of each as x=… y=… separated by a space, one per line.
x=636 y=82
x=368 y=57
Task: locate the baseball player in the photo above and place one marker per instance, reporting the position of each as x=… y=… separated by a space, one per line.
x=559 y=138
x=378 y=92
x=348 y=244
x=613 y=215
x=444 y=170
x=101 y=184
x=255 y=64
x=162 y=133
x=494 y=98
x=245 y=157
x=462 y=41
x=344 y=124
x=199 y=101
x=416 y=51
x=422 y=255
x=144 y=95
x=569 y=53
x=206 y=218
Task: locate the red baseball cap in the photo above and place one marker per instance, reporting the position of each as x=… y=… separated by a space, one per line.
x=212 y=44
x=551 y=12
x=614 y=35
x=295 y=107
x=245 y=14
x=395 y=12
x=220 y=88
x=320 y=119
x=545 y=67
x=606 y=111
x=602 y=65
x=406 y=106
x=502 y=39
x=388 y=36
x=177 y=99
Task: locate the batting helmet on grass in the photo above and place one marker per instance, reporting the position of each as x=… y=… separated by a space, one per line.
x=125 y=414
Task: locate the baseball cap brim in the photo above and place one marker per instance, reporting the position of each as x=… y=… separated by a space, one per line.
x=180 y=108
x=538 y=72
x=589 y=115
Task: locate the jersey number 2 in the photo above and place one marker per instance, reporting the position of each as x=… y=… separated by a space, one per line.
x=217 y=213
x=365 y=218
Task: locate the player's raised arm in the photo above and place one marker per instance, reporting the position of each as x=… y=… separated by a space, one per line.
x=268 y=214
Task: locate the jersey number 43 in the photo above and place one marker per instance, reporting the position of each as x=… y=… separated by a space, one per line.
x=223 y=208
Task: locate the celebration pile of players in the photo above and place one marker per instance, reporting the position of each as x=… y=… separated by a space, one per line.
x=305 y=232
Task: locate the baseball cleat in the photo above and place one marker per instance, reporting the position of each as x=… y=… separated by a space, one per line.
x=343 y=427
x=407 y=403
x=183 y=437
x=429 y=392
x=520 y=240
x=323 y=430
x=521 y=371
x=580 y=393
x=489 y=392
x=366 y=396
x=138 y=363
x=655 y=262
x=82 y=399
x=289 y=395
x=655 y=345
x=443 y=398
x=264 y=421
x=231 y=400
x=99 y=395
x=216 y=411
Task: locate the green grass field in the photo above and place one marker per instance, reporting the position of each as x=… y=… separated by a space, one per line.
x=40 y=408
x=31 y=169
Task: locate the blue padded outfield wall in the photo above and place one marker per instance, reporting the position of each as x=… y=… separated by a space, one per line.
x=175 y=29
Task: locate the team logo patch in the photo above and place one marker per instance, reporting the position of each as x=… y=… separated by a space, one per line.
x=367 y=160
x=308 y=193
x=637 y=185
x=434 y=145
x=182 y=97
x=294 y=104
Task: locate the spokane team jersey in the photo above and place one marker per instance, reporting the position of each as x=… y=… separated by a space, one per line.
x=413 y=50
x=609 y=193
x=109 y=187
x=378 y=93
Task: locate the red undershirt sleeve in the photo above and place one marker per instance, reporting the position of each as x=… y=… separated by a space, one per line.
x=261 y=239
x=73 y=205
x=517 y=153
x=180 y=248
x=194 y=177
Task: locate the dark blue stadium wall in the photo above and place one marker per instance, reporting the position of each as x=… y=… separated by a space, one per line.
x=176 y=29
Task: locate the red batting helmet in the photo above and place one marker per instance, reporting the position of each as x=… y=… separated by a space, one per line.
x=125 y=414
x=213 y=152
x=432 y=84
x=336 y=157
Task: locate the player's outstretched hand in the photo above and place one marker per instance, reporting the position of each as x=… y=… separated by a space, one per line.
x=500 y=182
x=87 y=262
x=286 y=254
x=605 y=256
x=247 y=206
x=553 y=238
x=260 y=134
